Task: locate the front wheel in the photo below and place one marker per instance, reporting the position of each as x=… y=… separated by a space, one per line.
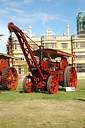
x=52 y=84
x=28 y=84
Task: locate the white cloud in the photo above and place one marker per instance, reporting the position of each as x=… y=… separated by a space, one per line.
x=18 y=11
x=3 y=41
x=3 y=11
x=4 y=31
x=45 y=17
x=20 y=16
x=14 y=3
x=66 y=20
x=4 y=1
x=10 y=2
x=82 y=0
x=27 y=1
x=47 y=0
x=23 y=17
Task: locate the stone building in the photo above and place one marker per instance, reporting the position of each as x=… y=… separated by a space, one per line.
x=78 y=49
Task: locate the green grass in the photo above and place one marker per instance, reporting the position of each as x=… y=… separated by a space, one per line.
x=43 y=110
x=19 y=94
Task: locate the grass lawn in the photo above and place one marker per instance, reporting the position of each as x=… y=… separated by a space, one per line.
x=42 y=110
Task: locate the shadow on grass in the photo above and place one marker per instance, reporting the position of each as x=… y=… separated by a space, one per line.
x=42 y=91
x=81 y=100
x=83 y=89
x=1 y=89
x=22 y=91
x=62 y=89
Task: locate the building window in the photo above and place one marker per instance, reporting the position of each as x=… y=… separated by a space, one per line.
x=64 y=45
x=19 y=69
x=80 y=55
x=80 y=45
x=35 y=47
x=22 y=69
x=80 y=67
x=21 y=57
x=17 y=47
x=49 y=45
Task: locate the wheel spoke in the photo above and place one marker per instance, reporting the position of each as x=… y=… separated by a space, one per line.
x=53 y=85
x=28 y=84
x=10 y=73
x=71 y=77
x=72 y=74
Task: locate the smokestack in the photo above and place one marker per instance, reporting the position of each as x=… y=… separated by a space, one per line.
x=67 y=27
x=30 y=31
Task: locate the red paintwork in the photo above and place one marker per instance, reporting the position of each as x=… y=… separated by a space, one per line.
x=3 y=64
x=54 y=53
x=44 y=65
x=26 y=49
x=73 y=77
x=60 y=77
x=41 y=84
x=30 y=85
x=12 y=79
x=0 y=79
x=63 y=64
x=8 y=76
x=54 y=82
x=42 y=71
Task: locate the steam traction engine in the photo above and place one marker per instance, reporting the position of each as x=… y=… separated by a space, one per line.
x=47 y=73
x=8 y=75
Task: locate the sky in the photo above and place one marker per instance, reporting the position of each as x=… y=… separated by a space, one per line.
x=41 y=15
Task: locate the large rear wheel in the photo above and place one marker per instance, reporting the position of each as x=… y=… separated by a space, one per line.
x=65 y=76
x=52 y=84
x=9 y=78
x=71 y=77
x=28 y=84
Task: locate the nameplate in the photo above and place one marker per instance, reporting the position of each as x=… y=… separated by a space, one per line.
x=70 y=89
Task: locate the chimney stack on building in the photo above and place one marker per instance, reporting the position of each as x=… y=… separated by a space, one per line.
x=30 y=31
x=64 y=34
x=67 y=27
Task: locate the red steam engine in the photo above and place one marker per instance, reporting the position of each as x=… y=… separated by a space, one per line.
x=8 y=75
x=48 y=73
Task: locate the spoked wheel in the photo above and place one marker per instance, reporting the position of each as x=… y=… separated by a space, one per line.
x=9 y=78
x=71 y=77
x=52 y=84
x=28 y=84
